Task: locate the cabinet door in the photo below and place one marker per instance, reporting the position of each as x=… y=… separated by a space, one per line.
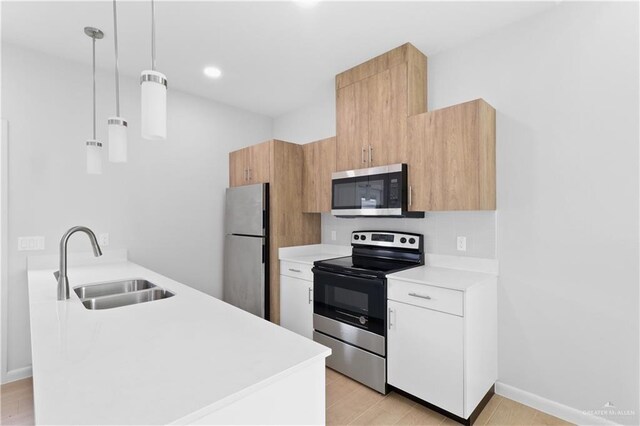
x=387 y=93
x=352 y=122
x=296 y=305
x=259 y=160
x=318 y=165
x=327 y=152
x=425 y=355
x=237 y=168
x=455 y=158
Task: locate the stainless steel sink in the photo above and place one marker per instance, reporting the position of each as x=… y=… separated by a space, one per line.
x=124 y=299
x=114 y=287
x=120 y=293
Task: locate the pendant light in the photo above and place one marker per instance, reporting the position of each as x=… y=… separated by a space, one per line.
x=154 y=94
x=94 y=147
x=117 y=125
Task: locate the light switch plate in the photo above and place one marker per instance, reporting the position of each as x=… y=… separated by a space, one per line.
x=462 y=244
x=30 y=243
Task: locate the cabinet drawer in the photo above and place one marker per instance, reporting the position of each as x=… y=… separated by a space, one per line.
x=296 y=270
x=426 y=296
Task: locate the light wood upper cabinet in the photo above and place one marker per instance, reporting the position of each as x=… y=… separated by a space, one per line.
x=237 y=167
x=319 y=161
x=452 y=163
x=250 y=165
x=259 y=160
x=352 y=103
x=373 y=101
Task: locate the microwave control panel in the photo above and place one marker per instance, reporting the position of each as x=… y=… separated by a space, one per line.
x=395 y=190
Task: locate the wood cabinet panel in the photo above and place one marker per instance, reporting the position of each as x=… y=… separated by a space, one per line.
x=401 y=54
x=454 y=163
x=237 y=169
x=352 y=122
x=288 y=225
x=259 y=161
x=379 y=119
x=310 y=178
x=319 y=162
x=388 y=116
x=373 y=102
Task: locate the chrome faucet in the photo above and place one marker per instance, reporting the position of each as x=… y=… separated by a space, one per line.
x=61 y=275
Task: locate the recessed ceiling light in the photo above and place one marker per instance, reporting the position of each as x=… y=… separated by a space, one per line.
x=212 y=72
x=307 y=4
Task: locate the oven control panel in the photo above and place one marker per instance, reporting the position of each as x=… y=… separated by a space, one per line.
x=387 y=239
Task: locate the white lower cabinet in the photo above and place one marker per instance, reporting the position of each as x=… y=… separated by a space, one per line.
x=296 y=305
x=425 y=355
x=442 y=342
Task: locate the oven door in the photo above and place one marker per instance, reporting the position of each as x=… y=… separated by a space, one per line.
x=356 y=300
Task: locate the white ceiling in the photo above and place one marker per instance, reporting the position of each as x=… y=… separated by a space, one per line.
x=275 y=56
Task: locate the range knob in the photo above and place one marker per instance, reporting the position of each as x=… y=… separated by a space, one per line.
x=403 y=240
x=412 y=240
x=363 y=237
x=356 y=237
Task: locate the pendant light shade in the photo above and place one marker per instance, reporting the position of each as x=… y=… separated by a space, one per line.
x=117 y=125
x=153 y=94
x=93 y=146
x=94 y=157
x=154 y=105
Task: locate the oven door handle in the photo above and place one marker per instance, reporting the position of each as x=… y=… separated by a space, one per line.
x=344 y=274
x=352 y=316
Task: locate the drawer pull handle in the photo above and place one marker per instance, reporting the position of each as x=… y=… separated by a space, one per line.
x=390 y=323
x=295 y=270
x=310 y=291
x=420 y=296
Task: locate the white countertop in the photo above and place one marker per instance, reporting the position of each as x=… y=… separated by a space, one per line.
x=454 y=279
x=166 y=361
x=312 y=252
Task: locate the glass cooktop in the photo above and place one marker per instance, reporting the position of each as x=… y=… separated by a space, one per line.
x=364 y=264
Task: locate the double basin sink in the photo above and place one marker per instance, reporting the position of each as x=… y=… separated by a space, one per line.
x=120 y=293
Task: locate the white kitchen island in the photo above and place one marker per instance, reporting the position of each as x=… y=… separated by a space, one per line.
x=187 y=359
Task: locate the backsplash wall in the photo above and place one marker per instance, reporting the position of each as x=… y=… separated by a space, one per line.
x=440 y=230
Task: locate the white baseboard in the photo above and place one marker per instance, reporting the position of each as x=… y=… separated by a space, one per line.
x=17 y=374
x=553 y=408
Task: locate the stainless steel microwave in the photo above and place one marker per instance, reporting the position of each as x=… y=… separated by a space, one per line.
x=377 y=191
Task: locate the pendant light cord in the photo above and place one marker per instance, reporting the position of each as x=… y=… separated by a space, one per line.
x=153 y=35
x=115 y=41
x=94 y=86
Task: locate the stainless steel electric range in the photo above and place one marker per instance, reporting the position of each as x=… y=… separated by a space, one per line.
x=350 y=302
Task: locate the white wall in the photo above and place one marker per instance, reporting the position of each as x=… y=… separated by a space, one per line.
x=150 y=205
x=310 y=122
x=565 y=86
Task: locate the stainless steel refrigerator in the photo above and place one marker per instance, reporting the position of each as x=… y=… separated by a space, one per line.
x=246 y=249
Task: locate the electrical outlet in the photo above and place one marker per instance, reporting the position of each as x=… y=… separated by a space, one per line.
x=334 y=236
x=30 y=243
x=103 y=239
x=462 y=244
